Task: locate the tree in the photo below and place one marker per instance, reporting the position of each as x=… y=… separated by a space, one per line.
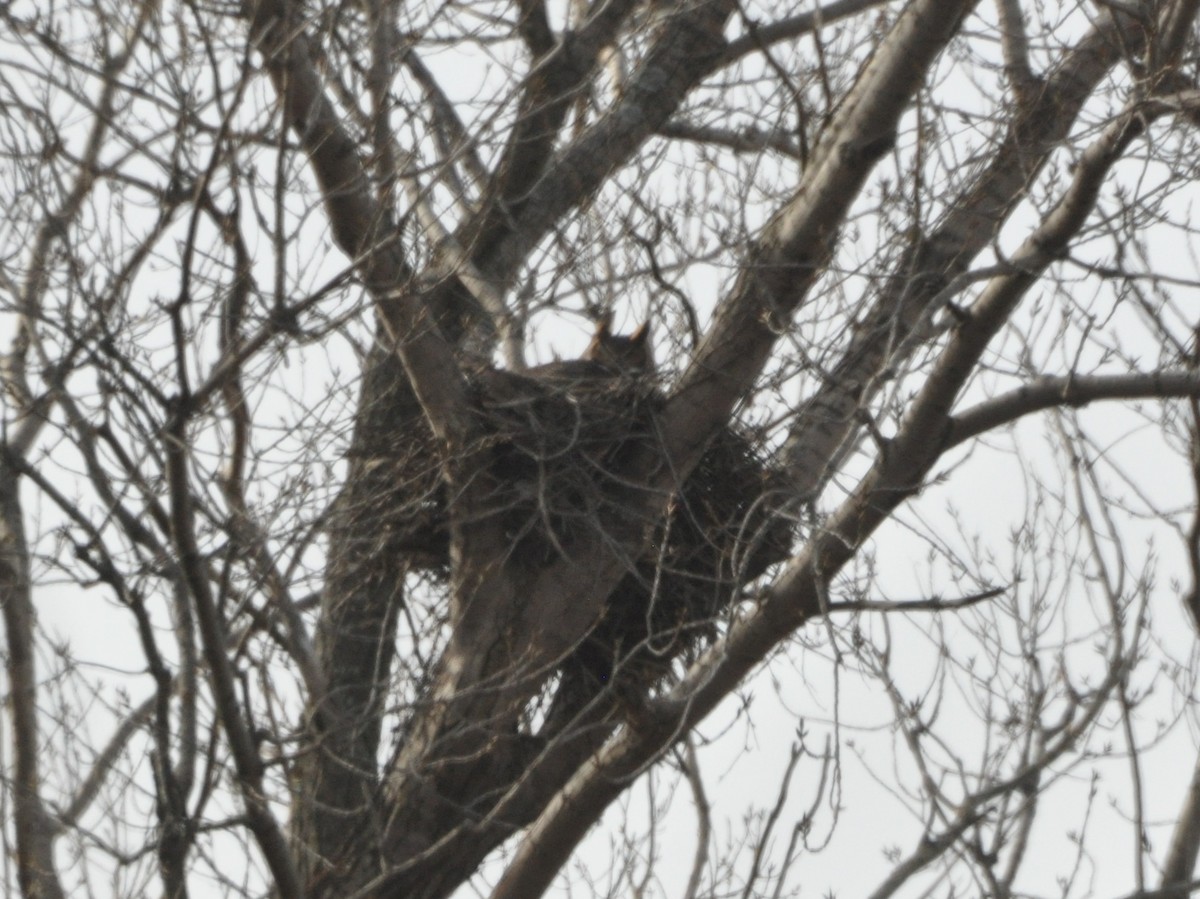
x=378 y=599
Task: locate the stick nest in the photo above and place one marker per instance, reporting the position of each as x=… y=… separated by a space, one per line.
x=554 y=448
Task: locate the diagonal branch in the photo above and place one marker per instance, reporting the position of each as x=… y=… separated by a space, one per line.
x=363 y=230
x=798 y=242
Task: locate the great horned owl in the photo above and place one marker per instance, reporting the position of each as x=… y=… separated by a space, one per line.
x=630 y=354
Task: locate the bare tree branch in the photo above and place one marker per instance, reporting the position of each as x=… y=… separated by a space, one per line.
x=364 y=231
x=1075 y=391
x=36 y=870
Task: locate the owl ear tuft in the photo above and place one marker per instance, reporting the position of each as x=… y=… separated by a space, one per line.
x=641 y=335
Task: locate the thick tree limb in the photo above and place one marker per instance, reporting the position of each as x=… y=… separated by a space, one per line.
x=35 y=829
x=1180 y=864
x=794 y=248
x=525 y=786
x=1051 y=392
